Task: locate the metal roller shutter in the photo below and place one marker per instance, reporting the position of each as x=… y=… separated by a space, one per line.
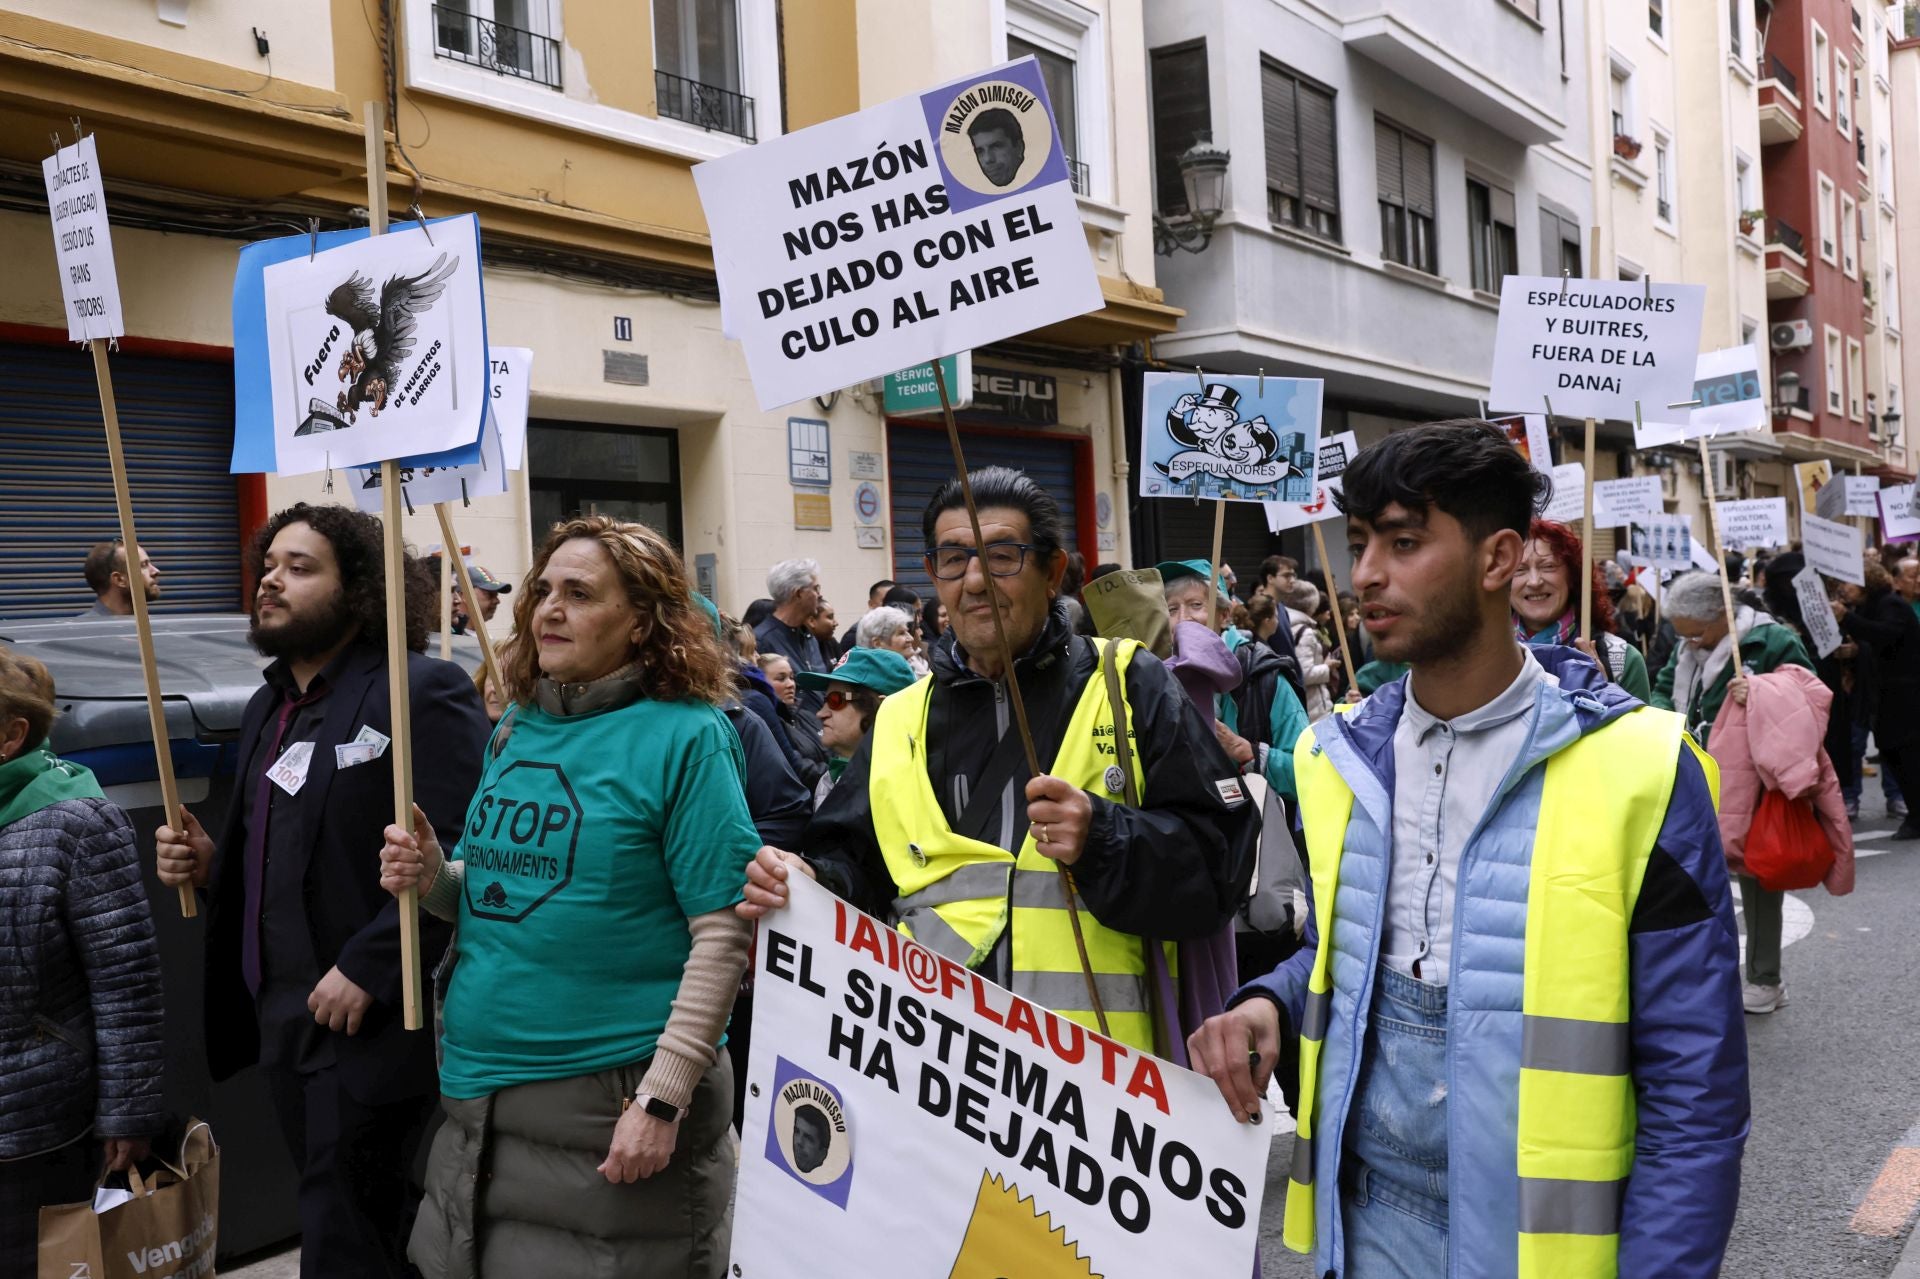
x=1186 y=533
x=919 y=461
x=176 y=422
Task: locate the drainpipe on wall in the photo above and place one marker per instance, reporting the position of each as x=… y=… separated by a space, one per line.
x=1122 y=470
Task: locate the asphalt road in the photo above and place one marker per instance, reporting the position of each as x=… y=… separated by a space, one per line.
x=1832 y=1169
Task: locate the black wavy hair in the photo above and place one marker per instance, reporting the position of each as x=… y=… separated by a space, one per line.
x=1007 y=489
x=359 y=550
x=1464 y=466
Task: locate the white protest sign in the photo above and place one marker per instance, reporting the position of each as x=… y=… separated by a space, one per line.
x=1336 y=452
x=1897 y=519
x=1664 y=541
x=1863 y=495
x=1754 y=521
x=1596 y=351
x=1816 y=612
x=935 y=223
x=378 y=348
x=1702 y=557
x=1727 y=385
x=1569 y=501
x=504 y=436
x=1617 y=503
x=82 y=244
x=1833 y=548
x=1809 y=478
x=1241 y=439
x=907 y=1118
x=1830 y=500
x=1528 y=431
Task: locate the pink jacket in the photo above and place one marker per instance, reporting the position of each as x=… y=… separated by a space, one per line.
x=1775 y=742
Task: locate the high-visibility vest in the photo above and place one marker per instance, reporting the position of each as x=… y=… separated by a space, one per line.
x=958 y=895
x=1576 y=1111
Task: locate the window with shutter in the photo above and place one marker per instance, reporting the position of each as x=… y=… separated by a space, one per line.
x=1559 y=241
x=1181 y=117
x=1403 y=166
x=1303 y=188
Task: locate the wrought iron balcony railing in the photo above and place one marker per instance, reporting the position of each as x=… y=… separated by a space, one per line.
x=460 y=36
x=715 y=109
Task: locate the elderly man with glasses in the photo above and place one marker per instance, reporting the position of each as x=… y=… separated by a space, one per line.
x=937 y=824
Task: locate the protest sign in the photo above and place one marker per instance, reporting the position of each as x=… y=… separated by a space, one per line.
x=82 y=244
x=1225 y=437
x=1595 y=348
x=1830 y=501
x=1335 y=453
x=1898 y=521
x=905 y=1117
x=1528 y=431
x=1816 y=612
x=1809 y=478
x=935 y=223
x=1568 y=505
x=377 y=349
x=1703 y=558
x=1617 y=503
x=1664 y=541
x=429 y=480
x=1727 y=385
x=1833 y=548
x=1755 y=521
x=1863 y=495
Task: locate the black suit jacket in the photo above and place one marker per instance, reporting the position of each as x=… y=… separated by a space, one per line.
x=354 y=923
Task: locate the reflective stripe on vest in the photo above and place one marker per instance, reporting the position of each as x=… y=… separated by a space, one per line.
x=958 y=895
x=1576 y=1110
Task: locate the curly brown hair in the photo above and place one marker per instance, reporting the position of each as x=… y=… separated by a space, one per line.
x=359 y=549
x=679 y=657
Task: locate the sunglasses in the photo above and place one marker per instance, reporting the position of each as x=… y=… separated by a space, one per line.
x=839 y=699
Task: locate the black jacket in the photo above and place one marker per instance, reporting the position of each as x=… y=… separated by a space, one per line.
x=353 y=922
x=1174 y=870
x=779 y=804
x=1886 y=625
x=1261 y=670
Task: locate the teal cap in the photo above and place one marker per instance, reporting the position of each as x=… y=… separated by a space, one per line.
x=880 y=669
x=1172 y=571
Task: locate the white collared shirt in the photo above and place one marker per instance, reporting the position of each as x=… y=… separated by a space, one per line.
x=1446 y=773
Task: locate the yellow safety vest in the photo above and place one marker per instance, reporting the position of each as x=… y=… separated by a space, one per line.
x=1576 y=1106
x=958 y=895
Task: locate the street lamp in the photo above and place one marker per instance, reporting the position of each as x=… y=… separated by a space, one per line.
x=1786 y=392
x=1203 y=171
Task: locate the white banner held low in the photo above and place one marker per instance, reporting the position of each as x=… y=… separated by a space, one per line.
x=1727 y=385
x=503 y=446
x=907 y=1118
x=934 y=223
x=1816 y=612
x=1898 y=521
x=1833 y=548
x=1569 y=501
x=82 y=243
x=1754 y=521
x=1618 y=503
x=1336 y=453
x=1595 y=347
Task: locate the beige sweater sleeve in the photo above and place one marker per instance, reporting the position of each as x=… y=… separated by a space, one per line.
x=442 y=901
x=689 y=1044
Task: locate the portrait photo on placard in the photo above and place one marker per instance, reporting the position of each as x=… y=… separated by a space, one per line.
x=994 y=135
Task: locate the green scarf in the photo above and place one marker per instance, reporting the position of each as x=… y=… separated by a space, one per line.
x=39 y=779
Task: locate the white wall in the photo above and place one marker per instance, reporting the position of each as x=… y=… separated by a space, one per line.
x=299 y=32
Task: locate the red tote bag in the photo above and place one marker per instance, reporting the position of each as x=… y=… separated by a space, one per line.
x=1786 y=847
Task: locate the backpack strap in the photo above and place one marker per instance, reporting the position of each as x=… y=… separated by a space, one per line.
x=1122 y=748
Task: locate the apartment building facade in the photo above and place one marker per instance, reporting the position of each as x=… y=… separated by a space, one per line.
x=571 y=128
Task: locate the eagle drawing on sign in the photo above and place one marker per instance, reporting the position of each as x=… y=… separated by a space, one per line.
x=383 y=332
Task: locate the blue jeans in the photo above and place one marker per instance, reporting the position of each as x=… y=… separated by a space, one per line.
x=1393 y=1179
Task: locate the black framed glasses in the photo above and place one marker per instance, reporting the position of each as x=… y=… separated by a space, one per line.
x=1004 y=559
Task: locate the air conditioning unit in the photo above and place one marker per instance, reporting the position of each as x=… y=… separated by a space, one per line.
x=1791 y=335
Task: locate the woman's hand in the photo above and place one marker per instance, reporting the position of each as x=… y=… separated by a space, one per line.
x=766 y=888
x=123 y=1153
x=1586 y=646
x=642 y=1145
x=183 y=854
x=1737 y=689
x=411 y=860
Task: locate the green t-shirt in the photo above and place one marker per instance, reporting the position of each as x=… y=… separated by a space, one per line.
x=590 y=843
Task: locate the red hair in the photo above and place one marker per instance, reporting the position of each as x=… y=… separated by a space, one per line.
x=1565 y=544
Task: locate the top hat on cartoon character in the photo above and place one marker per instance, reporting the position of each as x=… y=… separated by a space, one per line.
x=1218 y=395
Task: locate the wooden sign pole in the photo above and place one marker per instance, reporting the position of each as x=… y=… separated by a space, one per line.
x=1013 y=684
x=1333 y=599
x=1586 y=545
x=143 y=627
x=395 y=558
x=489 y=667
x=1720 y=556
x=1213 y=561
x=446 y=608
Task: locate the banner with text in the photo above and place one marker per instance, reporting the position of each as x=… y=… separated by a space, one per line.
x=1898 y=521
x=1754 y=521
x=935 y=223
x=1618 y=503
x=1229 y=437
x=1822 y=628
x=1569 y=501
x=82 y=243
x=503 y=447
x=1595 y=348
x=1833 y=548
x=1335 y=454
x=907 y=1118
x=1727 y=385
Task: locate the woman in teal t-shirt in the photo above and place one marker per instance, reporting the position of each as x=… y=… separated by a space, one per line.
x=597 y=949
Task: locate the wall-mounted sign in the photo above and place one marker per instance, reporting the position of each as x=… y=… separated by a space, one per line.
x=812 y=510
x=1003 y=395
x=867 y=466
x=866 y=504
x=808 y=458
x=912 y=391
x=870 y=539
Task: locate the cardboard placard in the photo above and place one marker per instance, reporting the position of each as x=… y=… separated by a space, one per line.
x=503 y=447
x=1595 y=348
x=1898 y=520
x=1664 y=541
x=1756 y=521
x=1833 y=548
x=1529 y=434
x=1809 y=478
x=1225 y=437
x=1618 y=503
x=1569 y=501
x=1335 y=454
x=1822 y=628
x=1727 y=384
x=1863 y=495
x=82 y=242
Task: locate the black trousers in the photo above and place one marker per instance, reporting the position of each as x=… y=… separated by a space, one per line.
x=1904 y=761
x=62 y=1176
x=357 y=1197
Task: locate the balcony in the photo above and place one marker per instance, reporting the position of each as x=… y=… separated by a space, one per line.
x=1781 y=111
x=713 y=109
x=459 y=36
x=1082 y=176
x=1786 y=262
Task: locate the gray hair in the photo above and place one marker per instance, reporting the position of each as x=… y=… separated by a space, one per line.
x=1694 y=597
x=879 y=626
x=789 y=577
x=1305 y=597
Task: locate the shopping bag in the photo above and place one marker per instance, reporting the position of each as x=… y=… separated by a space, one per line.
x=168 y=1230
x=1786 y=847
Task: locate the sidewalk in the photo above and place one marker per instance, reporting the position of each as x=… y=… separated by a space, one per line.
x=281 y=1265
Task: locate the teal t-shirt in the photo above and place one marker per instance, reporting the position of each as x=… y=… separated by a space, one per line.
x=592 y=840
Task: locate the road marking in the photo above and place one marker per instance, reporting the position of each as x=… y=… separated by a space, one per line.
x=1894 y=1194
x=1796 y=922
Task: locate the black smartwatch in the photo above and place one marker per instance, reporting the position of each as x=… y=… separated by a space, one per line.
x=665 y=1111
